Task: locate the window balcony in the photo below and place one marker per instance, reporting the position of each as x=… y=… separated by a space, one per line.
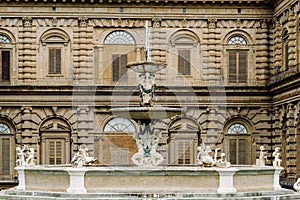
x=281 y=76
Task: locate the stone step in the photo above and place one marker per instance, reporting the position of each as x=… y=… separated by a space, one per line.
x=33 y=195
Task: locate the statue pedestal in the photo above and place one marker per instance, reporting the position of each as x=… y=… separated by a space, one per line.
x=76 y=180
x=226 y=180
x=21 y=173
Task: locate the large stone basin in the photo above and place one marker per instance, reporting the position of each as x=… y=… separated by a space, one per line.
x=157 y=179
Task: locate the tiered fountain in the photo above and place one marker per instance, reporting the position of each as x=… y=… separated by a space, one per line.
x=150 y=178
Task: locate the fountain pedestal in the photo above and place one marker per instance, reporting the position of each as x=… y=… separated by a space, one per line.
x=146 y=139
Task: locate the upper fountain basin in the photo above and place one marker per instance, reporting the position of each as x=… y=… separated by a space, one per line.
x=143 y=113
x=145 y=66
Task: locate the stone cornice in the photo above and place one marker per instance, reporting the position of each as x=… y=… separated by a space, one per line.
x=141 y=1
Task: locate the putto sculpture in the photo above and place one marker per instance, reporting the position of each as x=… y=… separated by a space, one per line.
x=261 y=161
x=82 y=158
x=204 y=159
x=277 y=157
x=25 y=156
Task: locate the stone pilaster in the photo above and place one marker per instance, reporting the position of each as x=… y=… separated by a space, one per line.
x=83 y=51
x=292 y=26
x=27 y=50
x=291 y=150
x=277 y=46
x=158 y=46
x=261 y=54
x=211 y=37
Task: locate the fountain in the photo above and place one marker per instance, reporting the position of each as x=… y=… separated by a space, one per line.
x=147 y=139
x=150 y=177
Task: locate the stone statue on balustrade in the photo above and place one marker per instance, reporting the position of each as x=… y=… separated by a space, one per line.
x=206 y=160
x=261 y=161
x=222 y=162
x=277 y=157
x=82 y=158
x=25 y=156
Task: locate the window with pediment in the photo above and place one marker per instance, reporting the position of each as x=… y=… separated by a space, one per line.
x=120 y=48
x=7 y=151
x=55 y=142
x=54 y=54
x=238 y=145
x=184 y=137
x=185 y=52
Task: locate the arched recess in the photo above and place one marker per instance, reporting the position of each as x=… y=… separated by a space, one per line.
x=7 y=149
x=184 y=53
x=54 y=54
x=238 y=142
x=7 y=56
x=184 y=137
x=55 y=141
x=117 y=145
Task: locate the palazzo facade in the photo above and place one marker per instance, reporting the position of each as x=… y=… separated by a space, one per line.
x=233 y=66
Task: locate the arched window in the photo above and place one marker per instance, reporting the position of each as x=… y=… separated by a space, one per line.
x=7 y=151
x=238 y=143
x=237 y=40
x=119 y=124
x=119 y=37
x=4 y=39
x=237 y=129
x=285 y=48
x=117 y=145
x=238 y=60
x=119 y=45
x=5 y=61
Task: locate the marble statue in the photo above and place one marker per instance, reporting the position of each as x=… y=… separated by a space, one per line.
x=147 y=86
x=25 y=156
x=30 y=157
x=276 y=154
x=20 y=161
x=147 y=144
x=297 y=185
x=222 y=162
x=261 y=161
x=203 y=157
x=82 y=158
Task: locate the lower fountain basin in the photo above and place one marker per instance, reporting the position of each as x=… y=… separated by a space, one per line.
x=142 y=113
x=170 y=179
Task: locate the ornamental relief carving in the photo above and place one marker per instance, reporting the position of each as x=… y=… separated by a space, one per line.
x=27 y=21
x=238 y=23
x=284 y=18
x=120 y=22
x=184 y=23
